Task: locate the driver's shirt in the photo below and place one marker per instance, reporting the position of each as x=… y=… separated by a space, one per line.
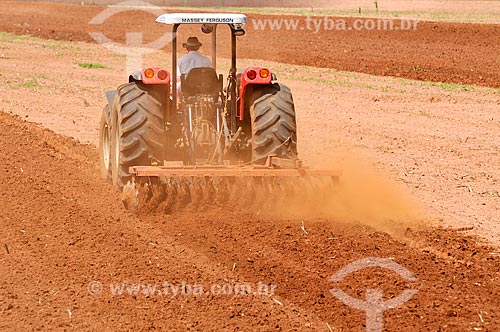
x=192 y=60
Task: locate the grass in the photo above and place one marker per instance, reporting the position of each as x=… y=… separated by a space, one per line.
x=424 y=113
x=29 y=82
x=453 y=86
x=59 y=46
x=44 y=76
x=91 y=65
x=442 y=85
x=4 y=37
x=49 y=46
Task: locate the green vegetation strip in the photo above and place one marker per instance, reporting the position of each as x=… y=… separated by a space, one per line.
x=91 y=65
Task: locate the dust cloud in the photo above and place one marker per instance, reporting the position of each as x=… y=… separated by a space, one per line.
x=364 y=195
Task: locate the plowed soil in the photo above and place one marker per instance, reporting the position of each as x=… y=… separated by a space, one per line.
x=441 y=52
x=64 y=230
x=72 y=258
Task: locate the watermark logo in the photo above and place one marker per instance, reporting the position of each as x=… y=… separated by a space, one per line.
x=173 y=290
x=317 y=24
x=94 y=288
x=374 y=305
x=134 y=48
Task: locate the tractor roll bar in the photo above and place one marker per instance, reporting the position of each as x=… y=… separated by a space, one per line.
x=232 y=72
x=174 y=65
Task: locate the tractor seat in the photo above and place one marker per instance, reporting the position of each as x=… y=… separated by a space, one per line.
x=200 y=81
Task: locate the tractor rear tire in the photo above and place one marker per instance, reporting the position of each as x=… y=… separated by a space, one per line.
x=138 y=131
x=105 y=143
x=274 y=128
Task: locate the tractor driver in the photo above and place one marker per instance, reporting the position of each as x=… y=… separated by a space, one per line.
x=193 y=59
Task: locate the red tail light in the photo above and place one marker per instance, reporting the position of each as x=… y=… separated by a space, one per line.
x=252 y=74
x=162 y=75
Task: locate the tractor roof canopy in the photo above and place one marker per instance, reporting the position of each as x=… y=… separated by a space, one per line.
x=202 y=18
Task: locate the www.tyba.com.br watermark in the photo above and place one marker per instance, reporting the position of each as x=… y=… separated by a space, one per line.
x=171 y=289
x=317 y=24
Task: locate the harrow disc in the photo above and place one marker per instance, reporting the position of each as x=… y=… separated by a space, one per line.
x=168 y=194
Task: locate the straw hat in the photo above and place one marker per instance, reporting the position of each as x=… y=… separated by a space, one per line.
x=192 y=42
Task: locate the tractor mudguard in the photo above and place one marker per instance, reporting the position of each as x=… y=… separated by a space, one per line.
x=135 y=76
x=251 y=76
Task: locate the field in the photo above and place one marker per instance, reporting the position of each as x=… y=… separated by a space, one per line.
x=411 y=118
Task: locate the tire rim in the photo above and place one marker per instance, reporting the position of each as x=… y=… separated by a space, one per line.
x=117 y=146
x=106 y=150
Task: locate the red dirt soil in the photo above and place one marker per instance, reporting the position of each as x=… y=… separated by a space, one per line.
x=441 y=52
x=63 y=228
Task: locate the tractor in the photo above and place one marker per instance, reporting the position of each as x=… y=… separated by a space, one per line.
x=162 y=126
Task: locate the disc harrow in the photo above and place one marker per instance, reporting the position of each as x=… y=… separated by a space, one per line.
x=166 y=189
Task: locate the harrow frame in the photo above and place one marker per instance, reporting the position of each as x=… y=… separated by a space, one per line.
x=274 y=167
